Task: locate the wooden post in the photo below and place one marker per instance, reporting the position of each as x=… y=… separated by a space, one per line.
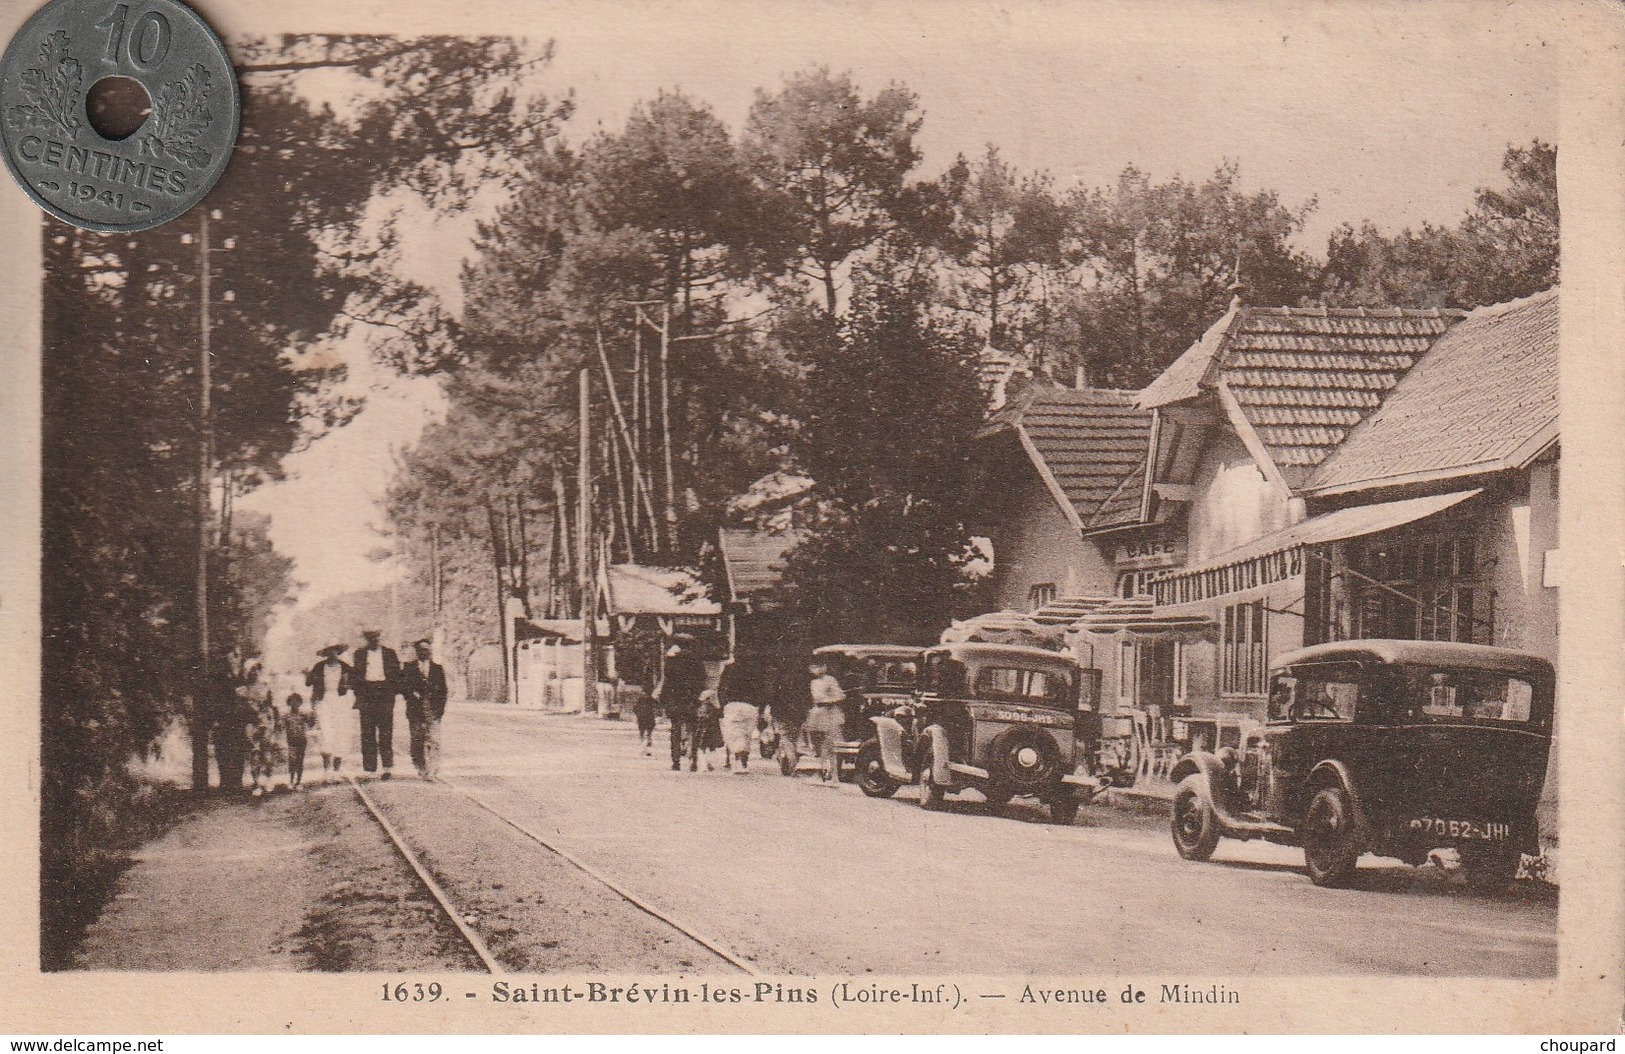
x=665 y=428
x=203 y=702
x=585 y=551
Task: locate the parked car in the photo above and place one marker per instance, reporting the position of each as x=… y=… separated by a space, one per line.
x=1383 y=746
x=878 y=678
x=1004 y=719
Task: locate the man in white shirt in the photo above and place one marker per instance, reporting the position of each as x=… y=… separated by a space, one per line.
x=376 y=677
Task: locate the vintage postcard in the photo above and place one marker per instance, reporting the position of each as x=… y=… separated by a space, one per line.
x=826 y=516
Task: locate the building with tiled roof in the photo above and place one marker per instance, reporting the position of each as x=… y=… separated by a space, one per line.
x=1062 y=483
x=1353 y=475
x=1300 y=475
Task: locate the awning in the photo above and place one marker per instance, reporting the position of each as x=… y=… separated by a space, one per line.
x=1152 y=629
x=1354 y=522
x=1130 y=618
x=1005 y=627
x=1068 y=610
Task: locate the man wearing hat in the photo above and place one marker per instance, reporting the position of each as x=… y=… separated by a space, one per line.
x=329 y=683
x=376 y=675
x=423 y=682
x=682 y=679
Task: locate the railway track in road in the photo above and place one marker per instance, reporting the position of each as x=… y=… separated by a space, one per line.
x=472 y=938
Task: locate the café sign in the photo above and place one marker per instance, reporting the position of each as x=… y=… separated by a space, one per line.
x=1150 y=550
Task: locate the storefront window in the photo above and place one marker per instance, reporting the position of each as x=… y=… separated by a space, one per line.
x=1424 y=587
x=1243 y=649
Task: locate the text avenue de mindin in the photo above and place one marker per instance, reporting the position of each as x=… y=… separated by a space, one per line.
x=947 y=994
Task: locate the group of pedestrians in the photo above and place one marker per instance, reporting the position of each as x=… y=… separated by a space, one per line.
x=371 y=683
x=734 y=715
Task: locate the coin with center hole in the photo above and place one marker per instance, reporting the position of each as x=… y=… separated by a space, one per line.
x=117 y=116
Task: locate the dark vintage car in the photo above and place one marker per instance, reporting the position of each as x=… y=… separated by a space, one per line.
x=1383 y=746
x=1003 y=719
x=878 y=678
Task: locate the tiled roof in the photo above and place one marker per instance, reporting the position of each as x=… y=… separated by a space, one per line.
x=755 y=559
x=1122 y=506
x=1185 y=379
x=1484 y=395
x=1303 y=377
x=1092 y=442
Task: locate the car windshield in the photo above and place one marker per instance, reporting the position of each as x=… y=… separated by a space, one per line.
x=1470 y=695
x=1019 y=684
x=1316 y=693
x=891 y=673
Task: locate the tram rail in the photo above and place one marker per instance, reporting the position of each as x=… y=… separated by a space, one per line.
x=472 y=938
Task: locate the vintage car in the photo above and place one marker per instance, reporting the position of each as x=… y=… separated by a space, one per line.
x=1003 y=719
x=878 y=678
x=1382 y=746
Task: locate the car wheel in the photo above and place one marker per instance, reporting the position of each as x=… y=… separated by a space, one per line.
x=1489 y=869
x=1024 y=759
x=1332 y=841
x=870 y=772
x=931 y=792
x=1195 y=828
x=1063 y=810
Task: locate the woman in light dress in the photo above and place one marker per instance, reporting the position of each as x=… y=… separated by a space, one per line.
x=334 y=728
x=827 y=723
x=740 y=690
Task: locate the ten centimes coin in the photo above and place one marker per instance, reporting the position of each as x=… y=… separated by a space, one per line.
x=63 y=67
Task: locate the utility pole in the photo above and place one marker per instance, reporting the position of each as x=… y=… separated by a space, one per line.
x=203 y=701
x=585 y=552
x=665 y=427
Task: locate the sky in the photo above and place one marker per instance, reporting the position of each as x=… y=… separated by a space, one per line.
x=1393 y=112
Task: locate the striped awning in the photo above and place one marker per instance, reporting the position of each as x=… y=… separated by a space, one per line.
x=1151 y=628
x=1068 y=610
x=1005 y=627
x=1131 y=618
x=1279 y=555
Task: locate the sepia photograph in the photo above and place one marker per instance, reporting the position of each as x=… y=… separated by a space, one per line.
x=741 y=503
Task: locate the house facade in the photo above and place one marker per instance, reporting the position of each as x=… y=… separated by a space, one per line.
x=1297 y=476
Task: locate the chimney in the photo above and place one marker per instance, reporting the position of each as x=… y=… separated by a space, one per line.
x=1238 y=288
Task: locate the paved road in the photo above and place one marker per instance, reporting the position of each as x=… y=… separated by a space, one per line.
x=802 y=878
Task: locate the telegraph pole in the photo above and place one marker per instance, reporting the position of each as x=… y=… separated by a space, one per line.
x=585 y=553
x=203 y=700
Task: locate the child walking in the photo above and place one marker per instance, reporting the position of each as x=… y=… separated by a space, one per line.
x=298 y=733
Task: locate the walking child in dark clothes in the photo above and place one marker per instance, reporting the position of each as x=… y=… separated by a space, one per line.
x=644 y=708
x=299 y=721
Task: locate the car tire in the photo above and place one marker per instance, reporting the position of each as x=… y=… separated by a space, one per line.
x=1195 y=828
x=1332 y=839
x=1024 y=759
x=1063 y=810
x=932 y=794
x=1489 y=869
x=870 y=772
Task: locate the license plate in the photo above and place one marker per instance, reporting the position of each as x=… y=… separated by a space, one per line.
x=1463 y=830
